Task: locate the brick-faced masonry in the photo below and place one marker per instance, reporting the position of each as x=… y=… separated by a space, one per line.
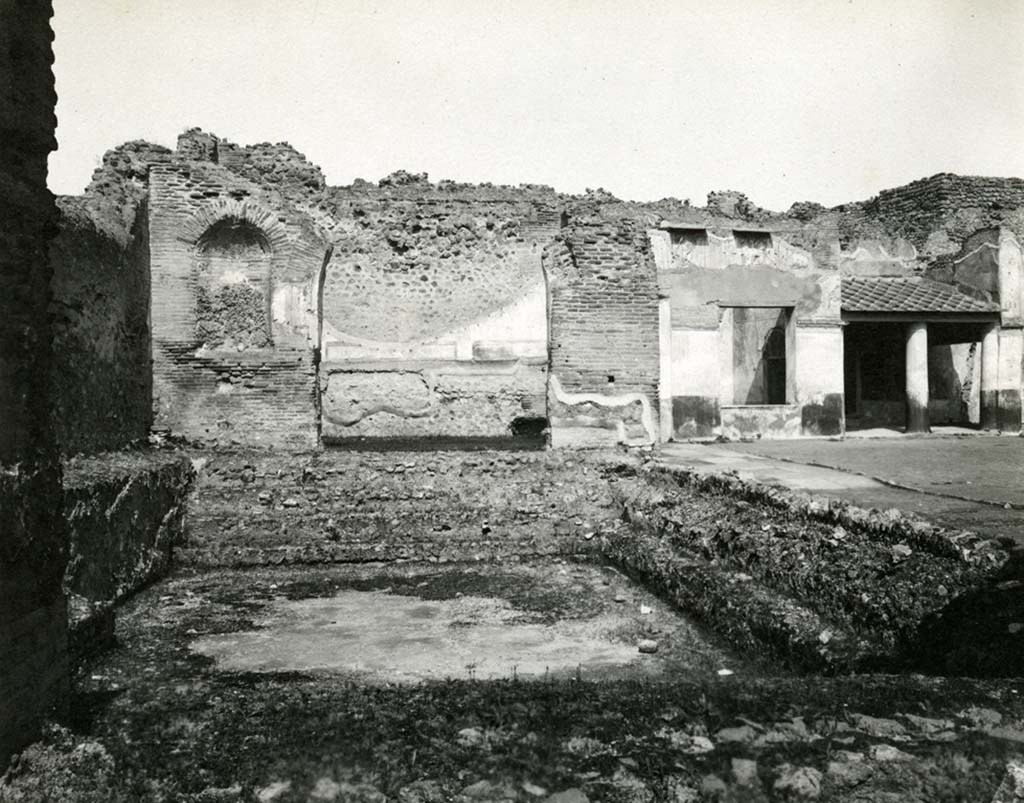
x=281 y=311
x=603 y=289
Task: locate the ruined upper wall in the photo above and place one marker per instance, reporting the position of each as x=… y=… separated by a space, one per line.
x=120 y=184
x=281 y=167
x=101 y=374
x=936 y=214
x=288 y=171
x=410 y=261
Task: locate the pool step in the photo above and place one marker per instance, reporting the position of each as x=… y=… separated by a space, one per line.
x=258 y=508
x=816 y=595
x=750 y=615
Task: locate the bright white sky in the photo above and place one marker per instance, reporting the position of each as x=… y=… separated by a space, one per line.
x=782 y=99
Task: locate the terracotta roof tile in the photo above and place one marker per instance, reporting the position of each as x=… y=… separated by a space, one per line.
x=907 y=294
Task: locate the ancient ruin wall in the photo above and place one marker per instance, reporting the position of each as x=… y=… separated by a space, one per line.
x=288 y=309
x=434 y=312
x=101 y=371
x=234 y=280
x=428 y=319
x=33 y=618
x=603 y=290
x=937 y=214
x=413 y=269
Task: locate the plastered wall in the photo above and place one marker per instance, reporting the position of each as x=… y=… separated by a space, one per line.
x=434 y=315
x=715 y=279
x=1011 y=336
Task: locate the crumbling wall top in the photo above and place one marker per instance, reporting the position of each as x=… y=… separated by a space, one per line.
x=118 y=186
x=936 y=214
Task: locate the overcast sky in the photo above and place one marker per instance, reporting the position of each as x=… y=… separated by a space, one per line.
x=786 y=100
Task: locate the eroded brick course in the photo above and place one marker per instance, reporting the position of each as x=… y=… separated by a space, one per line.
x=254 y=508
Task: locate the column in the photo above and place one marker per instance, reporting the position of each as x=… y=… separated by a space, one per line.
x=1011 y=378
x=665 y=370
x=726 y=389
x=858 y=390
x=989 y=396
x=917 y=377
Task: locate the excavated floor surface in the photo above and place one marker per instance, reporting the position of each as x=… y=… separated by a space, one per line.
x=250 y=686
x=413 y=623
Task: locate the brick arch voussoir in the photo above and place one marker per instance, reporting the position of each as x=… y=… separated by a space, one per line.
x=230 y=209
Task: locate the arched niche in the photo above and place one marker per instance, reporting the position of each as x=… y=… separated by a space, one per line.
x=232 y=270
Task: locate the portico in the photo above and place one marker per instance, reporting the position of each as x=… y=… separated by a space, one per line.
x=896 y=371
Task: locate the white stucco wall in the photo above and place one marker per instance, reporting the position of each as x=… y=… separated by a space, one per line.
x=818 y=362
x=519 y=330
x=695 y=363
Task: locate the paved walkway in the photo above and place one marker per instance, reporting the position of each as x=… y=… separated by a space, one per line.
x=987 y=468
x=959 y=483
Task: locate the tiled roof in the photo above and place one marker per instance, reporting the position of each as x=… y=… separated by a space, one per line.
x=907 y=294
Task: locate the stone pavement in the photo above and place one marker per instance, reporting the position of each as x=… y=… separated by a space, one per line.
x=962 y=483
x=984 y=468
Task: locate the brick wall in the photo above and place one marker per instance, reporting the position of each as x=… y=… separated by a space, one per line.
x=938 y=213
x=33 y=617
x=211 y=383
x=603 y=318
x=604 y=309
